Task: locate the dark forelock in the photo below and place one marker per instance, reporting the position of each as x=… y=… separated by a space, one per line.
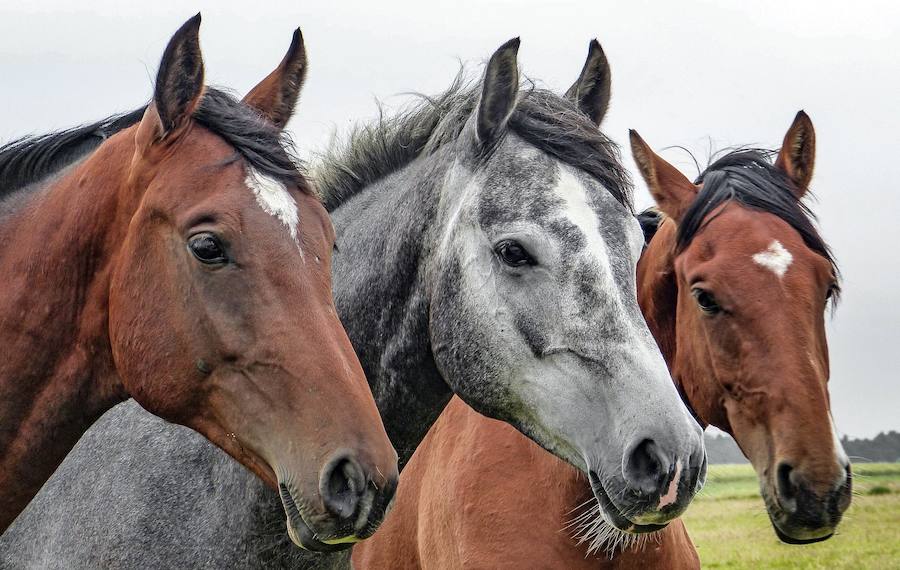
x=748 y=177
x=542 y=118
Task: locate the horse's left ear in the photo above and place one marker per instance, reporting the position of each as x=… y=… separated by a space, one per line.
x=671 y=190
x=499 y=93
x=591 y=91
x=276 y=95
x=798 y=153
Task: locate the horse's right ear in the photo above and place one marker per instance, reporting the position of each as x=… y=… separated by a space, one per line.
x=499 y=93
x=591 y=90
x=798 y=153
x=671 y=190
x=276 y=95
x=179 y=84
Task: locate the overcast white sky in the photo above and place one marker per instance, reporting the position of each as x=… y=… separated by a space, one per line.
x=684 y=73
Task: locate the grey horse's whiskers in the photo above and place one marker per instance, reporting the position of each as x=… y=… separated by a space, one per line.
x=591 y=529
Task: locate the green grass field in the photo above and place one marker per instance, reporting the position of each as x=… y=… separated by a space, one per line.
x=731 y=530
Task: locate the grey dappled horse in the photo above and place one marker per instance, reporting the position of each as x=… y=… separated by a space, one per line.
x=486 y=247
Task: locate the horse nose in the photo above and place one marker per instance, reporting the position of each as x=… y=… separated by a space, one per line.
x=351 y=494
x=796 y=497
x=647 y=468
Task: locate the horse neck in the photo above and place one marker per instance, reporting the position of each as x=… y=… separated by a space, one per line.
x=57 y=375
x=382 y=296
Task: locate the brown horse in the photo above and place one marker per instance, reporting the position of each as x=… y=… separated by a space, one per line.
x=479 y=495
x=186 y=264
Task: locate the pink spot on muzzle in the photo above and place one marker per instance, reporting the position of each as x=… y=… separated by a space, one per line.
x=672 y=493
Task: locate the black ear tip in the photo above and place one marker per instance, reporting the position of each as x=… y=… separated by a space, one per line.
x=189 y=28
x=596 y=56
x=296 y=42
x=802 y=120
x=512 y=44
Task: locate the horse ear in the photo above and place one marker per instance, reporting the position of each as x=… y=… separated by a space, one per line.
x=276 y=95
x=179 y=85
x=798 y=153
x=498 y=95
x=591 y=90
x=671 y=190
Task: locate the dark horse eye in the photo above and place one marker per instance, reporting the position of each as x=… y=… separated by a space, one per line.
x=207 y=248
x=513 y=254
x=706 y=301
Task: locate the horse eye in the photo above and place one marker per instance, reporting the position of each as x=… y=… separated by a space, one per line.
x=513 y=254
x=706 y=301
x=207 y=248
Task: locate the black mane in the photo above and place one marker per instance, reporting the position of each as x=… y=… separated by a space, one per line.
x=542 y=118
x=30 y=159
x=748 y=177
x=265 y=148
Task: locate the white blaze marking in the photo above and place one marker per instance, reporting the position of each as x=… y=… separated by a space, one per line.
x=580 y=213
x=776 y=258
x=838 y=448
x=274 y=198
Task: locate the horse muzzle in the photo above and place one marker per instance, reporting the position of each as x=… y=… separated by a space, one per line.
x=801 y=516
x=354 y=506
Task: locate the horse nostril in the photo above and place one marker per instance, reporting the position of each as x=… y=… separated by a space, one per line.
x=787 y=491
x=843 y=494
x=342 y=485
x=646 y=468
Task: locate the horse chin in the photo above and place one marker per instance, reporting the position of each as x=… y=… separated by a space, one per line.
x=787 y=539
x=301 y=534
x=781 y=525
x=796 y=535
x=614 y=517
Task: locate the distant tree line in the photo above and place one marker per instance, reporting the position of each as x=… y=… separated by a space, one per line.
x=884 y=447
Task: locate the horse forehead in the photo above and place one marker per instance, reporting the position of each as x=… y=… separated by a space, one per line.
x=578 y=207
x=517 y=176
x=759 y=240
x=273 y=197
x=269 y=193
x=525 y=183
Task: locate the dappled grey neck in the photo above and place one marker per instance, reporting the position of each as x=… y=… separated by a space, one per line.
x=383 y=250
